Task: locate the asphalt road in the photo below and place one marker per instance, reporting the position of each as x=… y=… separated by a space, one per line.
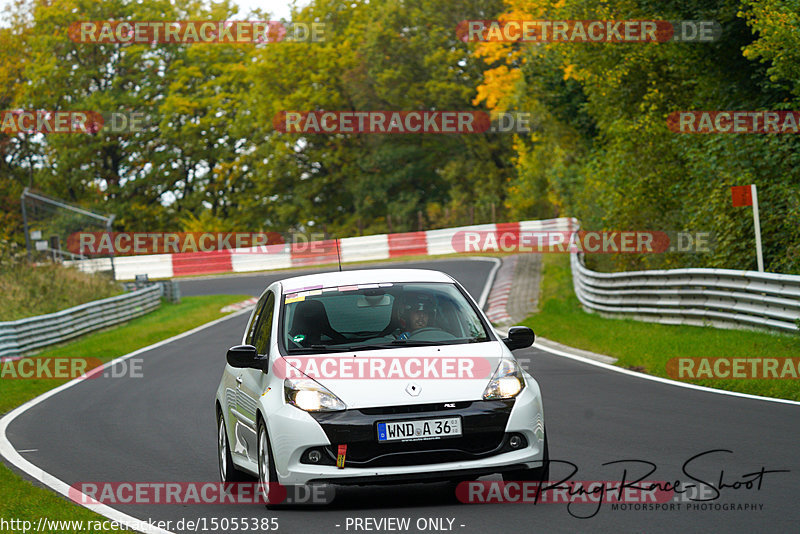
x=471 y=274
x=160 y=428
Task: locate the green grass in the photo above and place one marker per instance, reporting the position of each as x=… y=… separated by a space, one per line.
x=27 y=290
x=24 y=501
x=20 y=499
x=647 y=347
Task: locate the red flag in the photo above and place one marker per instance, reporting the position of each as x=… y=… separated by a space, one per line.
x=742 y=195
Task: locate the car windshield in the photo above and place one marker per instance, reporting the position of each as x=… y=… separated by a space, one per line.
x=373 y=316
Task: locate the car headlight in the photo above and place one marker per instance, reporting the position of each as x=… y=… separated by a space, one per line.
x=506 y=382
x=311 y=396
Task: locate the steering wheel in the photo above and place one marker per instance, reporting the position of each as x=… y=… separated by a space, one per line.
x=423 y=330
x=442 y=334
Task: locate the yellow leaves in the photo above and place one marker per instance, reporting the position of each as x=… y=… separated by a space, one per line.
x=493 y=51
x=516 y=14
x=497 y=87
x=527 y=9
x=498 y=83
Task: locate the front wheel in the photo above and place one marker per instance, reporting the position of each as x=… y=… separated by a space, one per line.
x=227 y=471
x=539 y=474
x=267 y=475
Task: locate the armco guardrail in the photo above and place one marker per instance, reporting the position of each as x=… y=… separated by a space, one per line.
x=170 y=289
x=24 y=335
x=722 y=298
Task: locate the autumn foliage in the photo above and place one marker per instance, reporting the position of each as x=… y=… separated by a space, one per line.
x=209 y=158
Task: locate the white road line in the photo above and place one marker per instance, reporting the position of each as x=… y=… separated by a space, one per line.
x=12 y=455
x=500 y=292
x=487 y=287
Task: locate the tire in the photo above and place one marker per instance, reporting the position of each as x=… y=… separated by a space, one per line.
x=227 y=471
x=539 y=474
x=267 y=475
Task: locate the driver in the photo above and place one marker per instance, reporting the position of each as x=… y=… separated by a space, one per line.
x=419 y=318
x=417 y=313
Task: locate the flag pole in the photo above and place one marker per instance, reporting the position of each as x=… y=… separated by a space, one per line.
x=757 y=226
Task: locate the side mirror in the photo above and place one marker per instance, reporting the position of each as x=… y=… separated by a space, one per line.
x=244 y=356
x=519 y=337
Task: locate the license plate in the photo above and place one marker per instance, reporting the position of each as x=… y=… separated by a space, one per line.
x=419 y=429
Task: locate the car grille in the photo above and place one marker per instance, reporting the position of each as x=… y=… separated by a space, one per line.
x=483 y=434
x=415 y=408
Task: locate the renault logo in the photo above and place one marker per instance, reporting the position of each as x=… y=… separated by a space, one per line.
x=413 y=389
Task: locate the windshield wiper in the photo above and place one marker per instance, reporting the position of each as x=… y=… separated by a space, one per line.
x=417 y=342
x=318 y=348
x=370 y=346
x=390 y=345
x=421 y=343
x=396 y=343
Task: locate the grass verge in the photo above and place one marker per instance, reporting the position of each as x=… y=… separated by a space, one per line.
x=647 y=347
x=27 y=290
x=20 y=499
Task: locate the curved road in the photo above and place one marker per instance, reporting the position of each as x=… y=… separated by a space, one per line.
x=161 y=428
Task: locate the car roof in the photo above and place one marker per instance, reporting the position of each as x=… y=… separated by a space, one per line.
x=362 y=276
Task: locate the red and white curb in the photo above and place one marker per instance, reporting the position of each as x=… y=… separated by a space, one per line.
x=239 y=305
x=306 y=254
x=501 y=290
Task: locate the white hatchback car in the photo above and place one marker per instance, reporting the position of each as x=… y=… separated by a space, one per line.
x=373 y=377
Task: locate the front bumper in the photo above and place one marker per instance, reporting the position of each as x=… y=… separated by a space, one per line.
x=482 y=449
x=483 y=434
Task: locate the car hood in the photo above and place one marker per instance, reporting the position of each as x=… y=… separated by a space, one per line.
x=404 y=375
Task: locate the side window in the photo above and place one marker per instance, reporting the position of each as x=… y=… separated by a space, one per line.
x=251 y=328
x=263 y=328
